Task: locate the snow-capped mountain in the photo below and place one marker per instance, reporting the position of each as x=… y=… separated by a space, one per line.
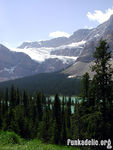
x=51 y=55
x=64 y=48
x=55 y=54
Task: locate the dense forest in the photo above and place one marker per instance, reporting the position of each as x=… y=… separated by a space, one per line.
x=37 y=116
x=47 y=83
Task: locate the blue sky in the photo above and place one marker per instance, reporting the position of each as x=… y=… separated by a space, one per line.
x=33 y=20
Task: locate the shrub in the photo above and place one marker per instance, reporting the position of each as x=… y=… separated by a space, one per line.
x=9 y=138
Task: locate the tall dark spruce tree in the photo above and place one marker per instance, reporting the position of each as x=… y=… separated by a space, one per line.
x=63 y=132
x=57 y=120
x=39 y=106
x=85 y=87
x=12 y=97
x=68 y=117
x=1 y=117
x=103 y=81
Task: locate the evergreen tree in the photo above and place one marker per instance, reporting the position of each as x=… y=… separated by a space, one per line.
x=76 y=129
x=39 y=106
x=63 y=132
x=56 y=136
x=68 y=113
x=44 y=126
x=17 y=97
x=1 y=116
x=103 y=78
x=57 y=120
x=103 y=74
x=85 y=86
x=12 y=97
x=25 y=99
x=6 y=99
x=68 y=117
x=63 y=110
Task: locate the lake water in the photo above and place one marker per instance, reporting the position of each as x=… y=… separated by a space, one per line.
x=66 y=98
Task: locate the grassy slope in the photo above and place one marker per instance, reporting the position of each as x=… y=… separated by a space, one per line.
x=12 y=141
x=34 y=145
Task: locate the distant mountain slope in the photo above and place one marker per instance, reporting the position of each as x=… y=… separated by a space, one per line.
x=48 y=83
x=15 y=65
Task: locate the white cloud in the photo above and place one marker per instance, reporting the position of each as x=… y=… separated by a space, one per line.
x=27 y=41
x=58 y=34
x=6 y=44
x=100 y=16
x=87 y=27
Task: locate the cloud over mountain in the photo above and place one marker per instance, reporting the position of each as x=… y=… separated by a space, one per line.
x=100 y=16
x=58 y=34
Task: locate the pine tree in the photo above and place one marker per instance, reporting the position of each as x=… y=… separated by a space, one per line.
x=103 y=72
x=17 y=97
x=63 y=110
x=6 y=99
x=39 y=106
x=103 y=78
x=56 y=137
x=63 y=132
x=68 y=113
x=85 y=87
x=25 y=99
x=76 y=124
x=1 y=116
x=68 y=117
x=43 y=130
x=12 y=97
x=57 y=120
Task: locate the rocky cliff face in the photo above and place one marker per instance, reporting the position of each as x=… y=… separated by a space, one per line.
x=85 y=59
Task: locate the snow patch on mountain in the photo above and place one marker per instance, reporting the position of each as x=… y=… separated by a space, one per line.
x=9 y=70
x=72 y=45
x=43 y=53
x=96 y=35
x=71 y=76
x=38 y=54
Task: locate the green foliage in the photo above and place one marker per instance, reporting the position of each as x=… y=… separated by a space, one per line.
x=103 y=79
x=9 y=138
x=103 y=71
x=57 y=120
x=91 y=125
x=34 y=145
x=85 y=86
